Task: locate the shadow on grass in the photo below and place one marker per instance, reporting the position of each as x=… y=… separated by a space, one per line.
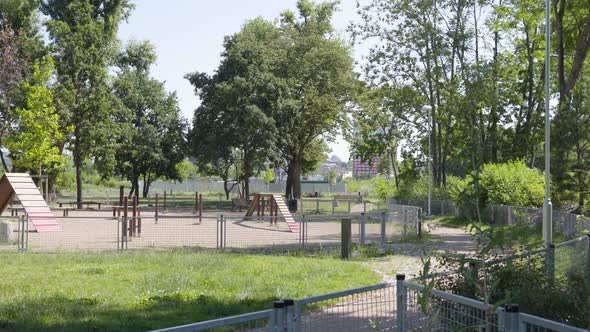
x=60 y=313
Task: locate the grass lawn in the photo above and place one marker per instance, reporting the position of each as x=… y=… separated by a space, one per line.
x=139 y=291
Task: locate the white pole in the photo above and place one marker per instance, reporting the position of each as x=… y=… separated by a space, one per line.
x=428 y=109
x=547 y=207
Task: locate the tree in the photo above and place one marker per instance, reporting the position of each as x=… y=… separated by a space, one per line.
x=83 y=37
x=20 y=46
x=316 y=67
x=377 y=125
x=235 y=118
x=150 y=143
x=33 y=144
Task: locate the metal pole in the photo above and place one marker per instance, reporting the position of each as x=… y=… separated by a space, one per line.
x=547 y=206
x=429 y=162
x=401 y=302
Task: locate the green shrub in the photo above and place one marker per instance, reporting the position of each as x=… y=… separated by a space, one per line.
x=511 y=183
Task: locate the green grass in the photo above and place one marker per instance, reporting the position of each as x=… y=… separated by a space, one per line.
x=139 y=291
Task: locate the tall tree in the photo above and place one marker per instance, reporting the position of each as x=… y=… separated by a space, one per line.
x=150 y=140
x=20 y=46
x=316 y=68
x=235 y=118
x=83 y=37
x=379 y=124
x=33 y=141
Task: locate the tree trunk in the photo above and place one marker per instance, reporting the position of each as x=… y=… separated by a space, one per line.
x=78 y=180
x=4 y=163
x=294 y=177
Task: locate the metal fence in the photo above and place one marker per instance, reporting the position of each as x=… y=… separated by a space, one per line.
x=217 y=231
x=400 y=306
x=568 y=224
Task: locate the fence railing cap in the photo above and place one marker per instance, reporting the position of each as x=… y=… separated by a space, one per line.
x=513 y=307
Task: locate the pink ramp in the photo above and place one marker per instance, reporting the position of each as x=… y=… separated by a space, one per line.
x=22 y=186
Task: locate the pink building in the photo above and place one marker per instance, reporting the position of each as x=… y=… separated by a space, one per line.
x=363 y=169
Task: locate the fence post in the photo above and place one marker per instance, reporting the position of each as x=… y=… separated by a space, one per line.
x=362 y=230
x=302 y=231
x=157 y=207
x=382 y=229
x=364 y=206
x=349 y=206
x=511 y=320
x=165 y=203
x=317 y=205
x=278 y=316
x=405 y=223
x=289 y=314
x=333 y=205
x=346 y=233
x=402 y=297
x=588 y=256
x=419 y=223
x=550 y=264
x=509 y=215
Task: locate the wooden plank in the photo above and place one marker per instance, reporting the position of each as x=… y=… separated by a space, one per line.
x=30 y=197
x=24 y=186
x=27 y=204
x=17 y=175
x=20 y=180
x=22 y=192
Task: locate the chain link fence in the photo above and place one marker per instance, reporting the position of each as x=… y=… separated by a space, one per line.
x=568 y=224
x=107 y=231
x=400 y=306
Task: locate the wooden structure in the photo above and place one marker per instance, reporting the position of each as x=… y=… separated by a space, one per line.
x=276 y=206
x=21 y=186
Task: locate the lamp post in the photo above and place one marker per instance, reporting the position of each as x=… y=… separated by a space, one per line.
x=428 y=109
x=547 y=206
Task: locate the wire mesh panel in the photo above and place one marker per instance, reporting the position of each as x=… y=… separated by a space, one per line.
x=9 y=234
x=263 y=232
x=363 y=309
x=572 y=259
x=73 y=234
x=171 y=232
x=433 y=310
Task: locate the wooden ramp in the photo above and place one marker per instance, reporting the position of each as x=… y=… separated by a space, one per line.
x=22 y=186
x=282 y=209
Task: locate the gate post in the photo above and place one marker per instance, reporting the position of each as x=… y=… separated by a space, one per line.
x=550 y=264
x=346 y=235
x=402 y=297
x=511 y=320
x=382 y=229
x=362 y=230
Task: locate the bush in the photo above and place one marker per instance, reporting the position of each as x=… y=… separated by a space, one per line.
x=511 y=183
x=418 y=188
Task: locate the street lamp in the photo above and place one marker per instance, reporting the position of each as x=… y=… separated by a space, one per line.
x=428 y=109
x=547 y=207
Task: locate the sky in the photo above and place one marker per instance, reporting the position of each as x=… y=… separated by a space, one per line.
x=188 y=36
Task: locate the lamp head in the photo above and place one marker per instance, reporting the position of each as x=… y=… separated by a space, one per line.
x=426 y=108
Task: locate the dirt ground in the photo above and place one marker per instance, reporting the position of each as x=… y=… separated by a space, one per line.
x=99 y=230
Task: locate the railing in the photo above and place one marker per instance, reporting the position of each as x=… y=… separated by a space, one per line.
x=400 y=306
x=565 y=223
x=266 y=320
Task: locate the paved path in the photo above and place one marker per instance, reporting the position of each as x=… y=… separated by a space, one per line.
x=406 y=258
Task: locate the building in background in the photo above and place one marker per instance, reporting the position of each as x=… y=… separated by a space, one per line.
x=365 y=170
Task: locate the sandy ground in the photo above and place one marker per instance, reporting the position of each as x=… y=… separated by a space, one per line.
x=98 y=230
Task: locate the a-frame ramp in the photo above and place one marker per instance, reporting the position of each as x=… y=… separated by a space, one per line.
x=22 y=186
x=282 y=209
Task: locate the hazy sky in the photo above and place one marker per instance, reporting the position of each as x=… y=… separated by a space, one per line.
x=188 y=36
